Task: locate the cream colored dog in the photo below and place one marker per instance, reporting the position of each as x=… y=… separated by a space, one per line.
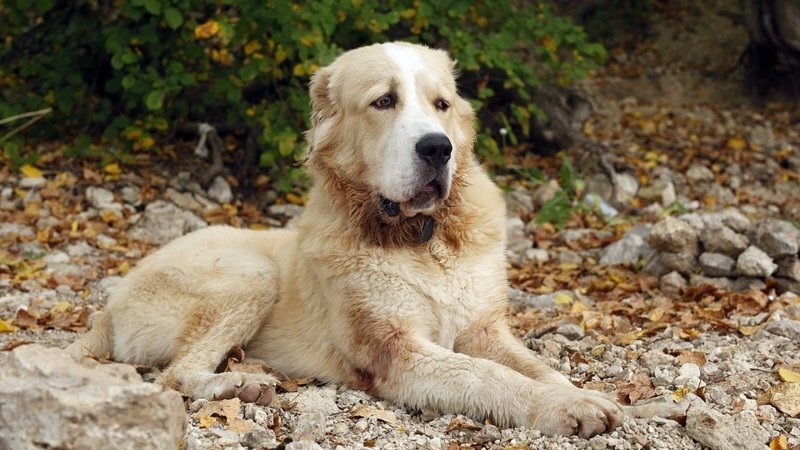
x=394 y=281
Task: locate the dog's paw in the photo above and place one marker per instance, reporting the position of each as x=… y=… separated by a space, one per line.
x=256 y=388
x=571 y=411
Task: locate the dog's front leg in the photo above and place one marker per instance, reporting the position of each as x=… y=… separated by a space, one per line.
x=419 y=373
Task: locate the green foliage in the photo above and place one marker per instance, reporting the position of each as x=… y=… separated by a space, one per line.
x=130 y=70
x=565 y=202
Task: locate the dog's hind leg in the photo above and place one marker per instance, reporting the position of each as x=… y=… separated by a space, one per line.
x=212 y=330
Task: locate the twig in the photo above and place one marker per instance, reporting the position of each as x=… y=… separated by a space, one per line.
x=35 y=117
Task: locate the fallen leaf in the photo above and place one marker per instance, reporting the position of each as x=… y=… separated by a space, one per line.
x=736 y=143
x=461 y=423
x=30 y=171
x=14 y=343
x=207 y=421
x=679 y=393
x=785 y=397
x=240 y=425
x=690 y=356
x=293 y=385
x=366 y=411
x=562 y=299
x=788 y=375
x=228 y=410
x=112 y=169
x=780 y=442
x=6 y=327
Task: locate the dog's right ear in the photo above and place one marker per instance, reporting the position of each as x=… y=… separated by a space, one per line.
x=322 y=106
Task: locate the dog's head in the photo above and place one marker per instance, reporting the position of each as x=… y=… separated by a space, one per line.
x=388 y=118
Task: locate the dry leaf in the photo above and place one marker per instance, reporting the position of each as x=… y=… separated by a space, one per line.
x=788 y=375
x=228 y=410
x=461 y=423
x=240 y=425
x=366 y=411
x=780 y=442
x=562 y=299
x=6 y=327
x=785 y=397
x=690 y=356
x=207 y=421
x=30 y=171
x=679 y=393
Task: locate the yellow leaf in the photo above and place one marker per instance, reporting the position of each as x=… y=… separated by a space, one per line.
x=788 y=375
x=578 y=307
x=206 y=30
x=113 y=169
x=294 y=198
x=252 y=47
x=629 y=337
x=748 y=330
x=562 y=299
x=124 y=268
x=780 y=442
x=259 y=226
x=30 y=171
x=298 y=70
x=207 y=421
x=648 y=126
x=6 y=327
x=737 y=143
x=408 y=13
x=60 y=307
x=679 y=393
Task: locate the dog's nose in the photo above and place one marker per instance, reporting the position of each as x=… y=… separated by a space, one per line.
x=435 y=149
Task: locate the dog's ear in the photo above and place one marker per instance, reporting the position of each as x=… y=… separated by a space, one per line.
x=322 y=106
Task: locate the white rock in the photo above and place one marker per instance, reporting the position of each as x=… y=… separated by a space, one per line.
x=32 y=182
x=58 y=402
x=626 y=188
x=723 y=432
x=629 y=249
x=220 y=190
x=673 y=235
x=131 y=195
x=699 y=173
x=777 y=238
x=163 y=222
x=99 y=197
x=755 y=263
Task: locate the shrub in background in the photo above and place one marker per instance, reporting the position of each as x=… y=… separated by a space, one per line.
x=132 y=69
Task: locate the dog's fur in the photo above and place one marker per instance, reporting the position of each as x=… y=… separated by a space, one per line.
x=407 y=302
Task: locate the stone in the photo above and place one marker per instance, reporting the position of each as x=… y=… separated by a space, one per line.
x=259 y=437
x=720 y=282
x=626 y=188
x=629 y=249
x=747 y=283
x=571 y=331
x=665 y=262
x=673 y=235
x=787 y=285
x=787 y=328
x=517 y=241
x=287 y=210
x=32 y=182
x=163 y=222
x=729 y=217
x=519 y=202
x=313 y=405
x=568 y=257
x=672 y=283
x=99 y=198
x=777 y=238
x=537 y=255
x=722 y=239
x=740 y=431
x=698 y=173
x=761 y=138
x=662 y=191
x=755 y=263
x=220 y=190
x=183 y=200
x=51 y=400
x=545 y=192
x=131 y=195
x=694 y=220
x=789 y=267
x=716 y=264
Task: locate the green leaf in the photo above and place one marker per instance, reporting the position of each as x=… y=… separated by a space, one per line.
x=155 y=100
x=567 y=175
x=556 y=210
x=173 y=17
x=153 y=6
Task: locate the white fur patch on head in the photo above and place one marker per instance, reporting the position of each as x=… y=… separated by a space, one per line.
x=401 y=166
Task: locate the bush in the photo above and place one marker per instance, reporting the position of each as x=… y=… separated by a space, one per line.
x=133 y=69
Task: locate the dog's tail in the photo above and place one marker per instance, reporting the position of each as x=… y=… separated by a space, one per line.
x=97 y=342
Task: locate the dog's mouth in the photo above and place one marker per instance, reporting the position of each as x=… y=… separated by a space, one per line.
x=423 y=201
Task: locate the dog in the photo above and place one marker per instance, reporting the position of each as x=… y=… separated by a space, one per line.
x=393 y=280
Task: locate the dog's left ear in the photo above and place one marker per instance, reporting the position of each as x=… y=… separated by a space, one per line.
x=322 y=106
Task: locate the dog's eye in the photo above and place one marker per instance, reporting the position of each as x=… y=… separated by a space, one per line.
x=385 y=102
x=441 y=104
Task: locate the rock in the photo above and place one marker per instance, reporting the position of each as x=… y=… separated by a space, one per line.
x=544 y=193
x=788 y=285
x=729 y=217
x=163 y=222
x=786 y=328
x=287 y=210
x=777 y=238
x=259 y=437
x=761 y=138
x=720 y=282
x=629 y=249
x=220 y=190
x=789 y=267
x=626 y=187
x=599 y=184
x=722 y=239
x=569 y=257
x=672 y=283
x=755 y=263
x=662 y=191
x=314 y=399
x=543 y=301
x=665 y=262
x=131 y=195
x=302 y=445
x=597 y=203
x=517 y=241
x=674 y=236
x=58 y=402
x=32 y=182
x=98 y=197
x=694 y=220
x=309 y=425
x=571 y=331
x=723 y=432
x=183 y=200
x=537 y=255
x=716 y=264
x=699 y=173
x=519 y=202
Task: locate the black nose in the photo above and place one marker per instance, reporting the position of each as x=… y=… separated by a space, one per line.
x=434 y=149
